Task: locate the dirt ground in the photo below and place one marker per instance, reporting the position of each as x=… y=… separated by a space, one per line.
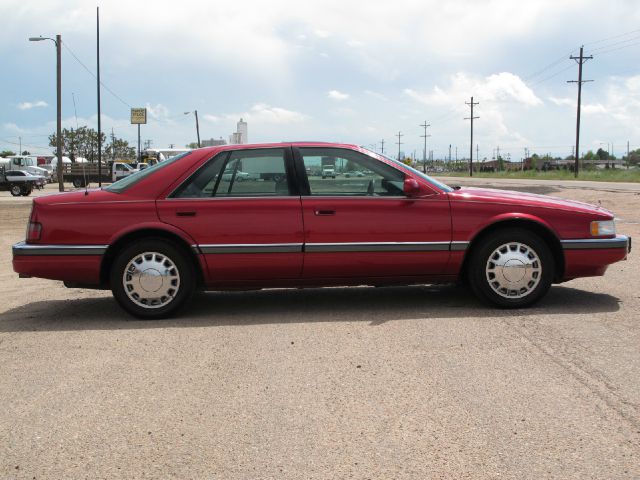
x=415 y=382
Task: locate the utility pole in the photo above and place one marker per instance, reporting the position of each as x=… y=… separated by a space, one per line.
x=628 y=159
x=147 y=143
x=449 y=153
x=20 y=140
x=399 y=143
x=472 y=118
x=457 y=152
x=113 y=149
x=425 y=125
x=98 y=86
x=477 y=152
x=382 y=143
x=197 y=127
x=580 y=60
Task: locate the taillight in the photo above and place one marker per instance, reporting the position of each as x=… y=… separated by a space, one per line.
x=34 y=229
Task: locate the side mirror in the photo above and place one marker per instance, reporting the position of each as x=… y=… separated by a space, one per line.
x=411 y=187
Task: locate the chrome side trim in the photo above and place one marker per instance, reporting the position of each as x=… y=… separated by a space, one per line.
x=24 y=249
x=251 y=248
x=620 y=241
x=330 y=247
x=377 y=247
x=458 y=246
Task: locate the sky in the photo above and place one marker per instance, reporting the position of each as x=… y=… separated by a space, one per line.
x=332 y=70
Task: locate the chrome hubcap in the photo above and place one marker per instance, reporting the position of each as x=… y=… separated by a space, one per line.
x=151 y=280
x=513 y=270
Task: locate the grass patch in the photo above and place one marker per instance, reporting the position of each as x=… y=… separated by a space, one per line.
x=604 y=175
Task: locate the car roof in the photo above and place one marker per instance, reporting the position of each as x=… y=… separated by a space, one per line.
x=251 y=146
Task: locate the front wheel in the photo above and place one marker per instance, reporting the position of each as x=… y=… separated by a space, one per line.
x=16 y=190
x=152 y=279
x=512 y=268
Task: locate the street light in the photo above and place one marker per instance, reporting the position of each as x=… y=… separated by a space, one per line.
x=195 y=112
x=58 y=42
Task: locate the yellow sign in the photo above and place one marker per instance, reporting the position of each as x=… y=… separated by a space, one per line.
x=138 y=116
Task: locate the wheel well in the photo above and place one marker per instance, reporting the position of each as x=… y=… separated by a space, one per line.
x=112 y=251
x=543 y=232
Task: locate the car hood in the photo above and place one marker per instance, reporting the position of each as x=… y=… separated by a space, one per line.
x=509 y=197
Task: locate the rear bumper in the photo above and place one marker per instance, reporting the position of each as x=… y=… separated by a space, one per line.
x=591 y=257
x=70 y=263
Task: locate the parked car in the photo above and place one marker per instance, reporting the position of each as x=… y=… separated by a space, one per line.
x=328 y=171
x=20 y=182
x=158 y=235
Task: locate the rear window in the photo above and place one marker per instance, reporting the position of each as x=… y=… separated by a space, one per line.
x=130 y=180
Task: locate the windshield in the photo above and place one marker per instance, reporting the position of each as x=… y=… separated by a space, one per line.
x=126 y=182
x=429 y=179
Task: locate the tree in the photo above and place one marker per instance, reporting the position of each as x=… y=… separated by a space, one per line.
x=192 y=145
x=7 y=153
x=590 y=155
x=120 y=149
x=81 y=142
x=602 y=154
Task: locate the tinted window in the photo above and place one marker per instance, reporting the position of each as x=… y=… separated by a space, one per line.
x=242 y=173
x=333 y=171
x=126 y=182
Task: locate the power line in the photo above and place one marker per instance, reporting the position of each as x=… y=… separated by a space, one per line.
x=606 y=47
x=618 y=48
x=613 y=37
x=94 y=76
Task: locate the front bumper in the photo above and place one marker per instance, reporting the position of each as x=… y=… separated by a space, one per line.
x=620 y=241
x=591 y=257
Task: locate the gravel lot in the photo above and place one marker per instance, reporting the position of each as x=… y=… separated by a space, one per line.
x=416 y=382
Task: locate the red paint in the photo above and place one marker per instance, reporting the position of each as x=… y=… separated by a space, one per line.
x=102 y=217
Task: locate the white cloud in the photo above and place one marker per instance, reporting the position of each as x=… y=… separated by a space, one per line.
x=30 y=105
x=500 y=87
x=263 y=113
x=568 y=102
x=376 y=95
x=210 y=118
x=336 y=95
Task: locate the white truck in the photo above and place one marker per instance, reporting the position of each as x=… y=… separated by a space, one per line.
x=81 y=174
x=26 y=163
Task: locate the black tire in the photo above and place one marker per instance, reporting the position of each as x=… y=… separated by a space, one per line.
x=16 y=190
x=479 y=269
x=26 y=191
x=77 y=183
x=179 y=260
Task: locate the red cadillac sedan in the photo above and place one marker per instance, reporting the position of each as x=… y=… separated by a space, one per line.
x=259 y=216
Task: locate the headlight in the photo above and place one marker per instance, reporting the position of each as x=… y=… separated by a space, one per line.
x=599 y=229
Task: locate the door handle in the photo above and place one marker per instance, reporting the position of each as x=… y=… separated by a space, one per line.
x=186 y=214
x=322 y=213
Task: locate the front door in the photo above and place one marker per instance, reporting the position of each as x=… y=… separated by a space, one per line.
x=361 y=224
x=239 y=209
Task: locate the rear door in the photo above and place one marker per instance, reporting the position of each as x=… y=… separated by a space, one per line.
x=247 y=225
x=361 y=224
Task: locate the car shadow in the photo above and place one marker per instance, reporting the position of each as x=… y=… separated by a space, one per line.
x=367 y=304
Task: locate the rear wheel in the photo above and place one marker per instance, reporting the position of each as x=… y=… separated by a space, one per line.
x=512 y=268
x=26 y=190
x=152 y=279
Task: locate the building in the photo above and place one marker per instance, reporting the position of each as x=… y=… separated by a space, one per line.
x=212 y=142
x=241 y=135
